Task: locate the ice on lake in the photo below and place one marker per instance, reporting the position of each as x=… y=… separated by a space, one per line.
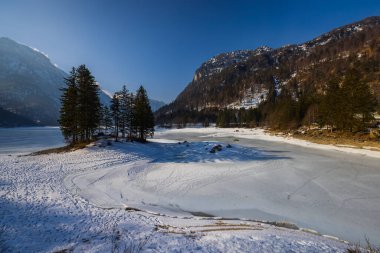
x=29 y=139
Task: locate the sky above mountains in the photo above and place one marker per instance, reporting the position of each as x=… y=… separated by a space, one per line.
x=160 y=43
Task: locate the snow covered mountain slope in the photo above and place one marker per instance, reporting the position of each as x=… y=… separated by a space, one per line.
x=30 y=84
x=224 y=60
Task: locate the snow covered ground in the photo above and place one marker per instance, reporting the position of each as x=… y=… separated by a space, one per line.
x=259 y=134
x=77 y=201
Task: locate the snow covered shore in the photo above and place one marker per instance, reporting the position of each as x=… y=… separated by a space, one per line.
x=261 y=134
x=38 y=213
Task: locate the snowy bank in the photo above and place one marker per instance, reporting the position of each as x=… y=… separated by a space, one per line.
x=261 y=134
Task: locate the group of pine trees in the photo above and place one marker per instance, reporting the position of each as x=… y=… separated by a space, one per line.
x=82 y=116
x=345 y=104
x=348 y=104
x=238 y=118
x=80 y=106
x=132 y=114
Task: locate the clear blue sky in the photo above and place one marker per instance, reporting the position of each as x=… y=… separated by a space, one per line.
x=159 y=44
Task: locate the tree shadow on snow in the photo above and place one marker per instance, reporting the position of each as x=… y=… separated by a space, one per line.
x=193 y=152
x=26 y=227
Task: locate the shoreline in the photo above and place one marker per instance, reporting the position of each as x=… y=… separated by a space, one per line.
x=274 y=136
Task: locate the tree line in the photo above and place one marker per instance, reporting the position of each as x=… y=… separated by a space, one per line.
x=82 y=116
x=345 y=104
x=132 y=115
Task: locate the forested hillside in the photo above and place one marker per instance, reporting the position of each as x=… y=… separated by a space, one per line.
x=9 y=119
x=288 y=86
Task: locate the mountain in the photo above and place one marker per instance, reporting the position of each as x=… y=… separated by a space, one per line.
x=105 y=99
x=218 y=63
x=155 y=104
x=8 y=119
x=30 y=85
x=244 y=78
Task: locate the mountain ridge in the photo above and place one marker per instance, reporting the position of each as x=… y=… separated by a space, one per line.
x=29 y=83
x=295 y=66
x=30 y=86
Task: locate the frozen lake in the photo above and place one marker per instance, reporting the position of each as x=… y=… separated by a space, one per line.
x=333 y=192
x=39 y=214
x=29 y=139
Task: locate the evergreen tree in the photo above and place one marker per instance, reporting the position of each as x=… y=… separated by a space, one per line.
x=285 y=112
x=101 y=119
x=126 y=111
x=143 y=120
x=226 y=118
x=131 y=115
x=106 y=118
x=358 y=101
x=69 y=112
x=115 y=111
x=88 y=102
x=348 y=106
x=332 y=110
x=122 y=95
x=80 y=106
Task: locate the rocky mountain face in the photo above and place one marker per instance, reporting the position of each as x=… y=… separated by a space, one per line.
x=30 y=85
x=243 y=79
x=222 y=61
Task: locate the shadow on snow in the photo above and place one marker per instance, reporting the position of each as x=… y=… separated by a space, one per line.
x=193 y=152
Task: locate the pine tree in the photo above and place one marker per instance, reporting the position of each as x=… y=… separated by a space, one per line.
x=348 y=106
x=358 y=100
x=69 y=111
x=332 y=110
x=106 y=118
x=285 y=112
x=126 y=111
x=80 y=109
x=143 y=120
x=131 y=116
x=223 y=119
x=122 y=95
x=115 y=111
x=88 y=102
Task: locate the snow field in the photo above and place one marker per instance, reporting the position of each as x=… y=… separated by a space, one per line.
x=39 y=214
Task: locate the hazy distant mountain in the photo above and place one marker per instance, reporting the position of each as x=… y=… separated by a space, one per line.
x=105 y=99
x=30 y=84
x=243 y=78
x=155 y=104
x=8 y=119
